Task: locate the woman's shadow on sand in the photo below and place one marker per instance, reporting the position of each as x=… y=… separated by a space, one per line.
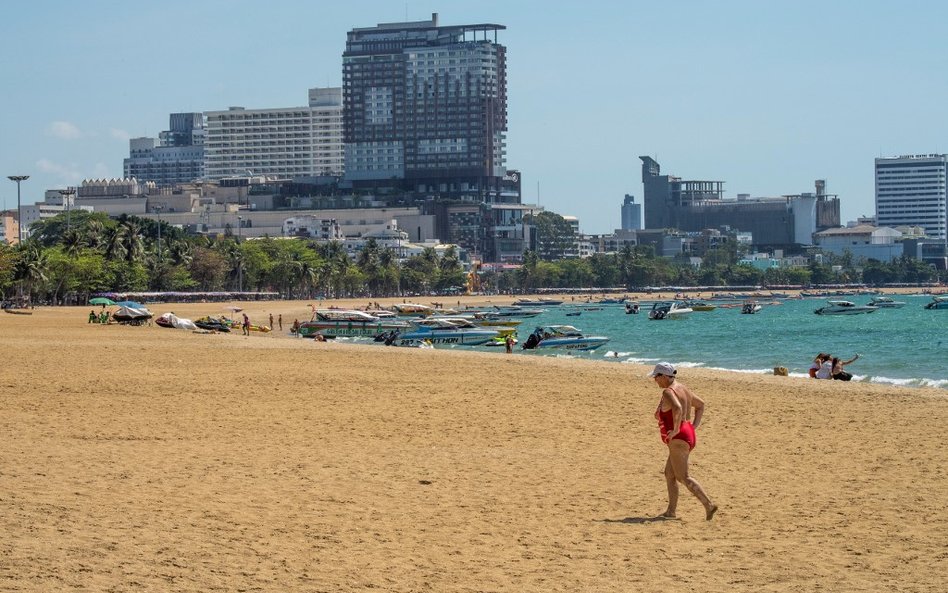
x=640 y=520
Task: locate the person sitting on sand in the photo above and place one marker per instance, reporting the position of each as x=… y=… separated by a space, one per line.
x=673 y=414
x=817 y=363
x=838 y=373
x=826 y=368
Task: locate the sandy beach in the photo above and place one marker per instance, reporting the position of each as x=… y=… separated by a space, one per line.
x=151 y=459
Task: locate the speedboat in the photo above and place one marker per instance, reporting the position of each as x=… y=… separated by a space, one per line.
x=412 y=310
x=844 y=308
x=334 y=323
x=564 y=337
x=700 y=306
x=938 y=302
x=669 y=310
x=545 y=301
x=517 y=312
x=446 y=330
x=884 y=302
x=750 y=307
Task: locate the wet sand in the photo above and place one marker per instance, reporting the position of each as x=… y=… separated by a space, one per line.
x=151 y=459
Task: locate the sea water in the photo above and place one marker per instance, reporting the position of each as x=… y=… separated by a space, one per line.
x=905 y=346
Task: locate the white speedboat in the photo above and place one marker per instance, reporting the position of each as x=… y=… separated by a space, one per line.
x=884 y=302
x=844 y=308
x=565 y=337
x=750 y=307
x=669 y=310
x=335 y=323
x=446 y=330
x=938 y=302
x=518 y=312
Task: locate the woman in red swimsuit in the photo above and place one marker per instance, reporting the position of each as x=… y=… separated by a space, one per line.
x=673 y=414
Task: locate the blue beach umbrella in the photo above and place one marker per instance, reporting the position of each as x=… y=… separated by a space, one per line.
x=129 y=304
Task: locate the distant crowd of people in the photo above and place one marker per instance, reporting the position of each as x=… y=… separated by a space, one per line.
x=827 y=366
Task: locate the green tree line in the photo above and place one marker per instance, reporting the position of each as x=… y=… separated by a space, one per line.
x=64 y=262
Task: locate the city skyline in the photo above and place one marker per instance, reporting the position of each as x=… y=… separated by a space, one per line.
x=765 y=98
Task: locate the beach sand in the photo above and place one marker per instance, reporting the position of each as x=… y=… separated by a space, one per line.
x=151 y=459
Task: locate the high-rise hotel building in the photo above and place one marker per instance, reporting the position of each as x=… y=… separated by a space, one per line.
x=910 y=191
x=285 y=142
x=425 y=108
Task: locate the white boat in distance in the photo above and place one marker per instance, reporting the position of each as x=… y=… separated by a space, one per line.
x=669 y=310
x=884 y=302
x=446 y=330
x=938 y=302
x=844 y=308
x=540 y=301
x=565 y=337
x=517 y=312
x=751 y=307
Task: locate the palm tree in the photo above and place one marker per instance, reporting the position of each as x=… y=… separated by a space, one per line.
x=30 y=266
x=133 y=241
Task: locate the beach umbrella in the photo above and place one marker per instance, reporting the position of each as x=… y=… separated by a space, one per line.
x=101 y=301
x=130 y=304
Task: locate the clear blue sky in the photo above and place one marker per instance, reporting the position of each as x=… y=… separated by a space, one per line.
x=765 y=96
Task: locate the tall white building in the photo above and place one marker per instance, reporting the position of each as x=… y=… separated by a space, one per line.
x=910 y=190
x=284 y=143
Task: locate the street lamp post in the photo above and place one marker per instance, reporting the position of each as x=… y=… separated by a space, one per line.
x=158 y=210
x=67 y=200
x=240 y=261
x=19 y=209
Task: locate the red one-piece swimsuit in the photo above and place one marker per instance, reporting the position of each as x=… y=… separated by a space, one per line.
x=666 y=424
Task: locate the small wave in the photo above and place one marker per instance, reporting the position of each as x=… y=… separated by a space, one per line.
x=635 y=360
x=689 y=365
x=913 y=382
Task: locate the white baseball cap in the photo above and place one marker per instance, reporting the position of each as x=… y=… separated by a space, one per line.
x=663 y=368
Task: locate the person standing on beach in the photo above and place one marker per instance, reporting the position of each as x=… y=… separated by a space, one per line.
x=678 y=433
x=246 y=325
x=271 y=320
x=280 y=321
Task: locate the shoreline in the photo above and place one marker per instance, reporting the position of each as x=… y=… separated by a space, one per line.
x=259 y=312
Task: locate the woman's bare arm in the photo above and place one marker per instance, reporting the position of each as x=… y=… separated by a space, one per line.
x=698 y=404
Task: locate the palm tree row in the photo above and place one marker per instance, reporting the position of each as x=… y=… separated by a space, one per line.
x=98 y=254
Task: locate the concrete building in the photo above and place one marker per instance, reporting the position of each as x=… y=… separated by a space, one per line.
x=910 y=190
x=9 y=227
x=426 y=108
x=786 y=222
x=880 y=243
x=282 y=143
x=177 y=156
x=631 y=214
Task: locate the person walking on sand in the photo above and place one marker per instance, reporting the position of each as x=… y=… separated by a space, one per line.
x=678 y=432
x=271 y=320
x=280 y=321
x=246 y=325
x=508 y=343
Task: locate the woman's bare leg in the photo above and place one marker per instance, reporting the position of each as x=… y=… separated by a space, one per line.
x=678 y=458
x=672 y=482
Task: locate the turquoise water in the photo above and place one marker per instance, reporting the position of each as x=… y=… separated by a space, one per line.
x=907 y=346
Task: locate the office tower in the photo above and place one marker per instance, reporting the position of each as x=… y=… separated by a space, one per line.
x=631 y=214
x=425 y=108
x=910 y=191
x=785 y=222
x=285 y=143
x=177 y=156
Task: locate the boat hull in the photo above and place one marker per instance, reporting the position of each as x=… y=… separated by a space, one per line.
x=346 y=329
x=590 y=343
